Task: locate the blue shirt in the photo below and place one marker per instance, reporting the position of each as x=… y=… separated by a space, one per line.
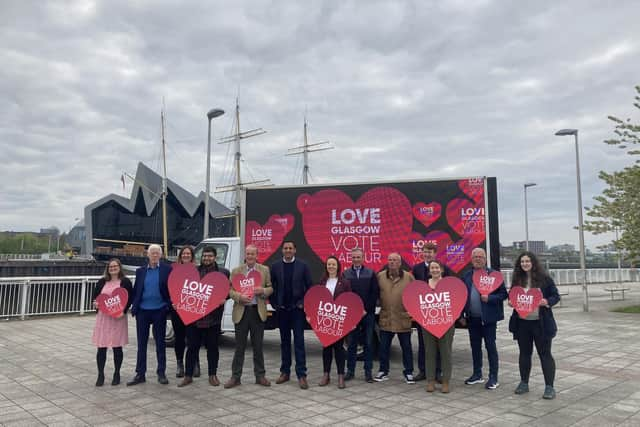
x=151 y=297
x=475 y=304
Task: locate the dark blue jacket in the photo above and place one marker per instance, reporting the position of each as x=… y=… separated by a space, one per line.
x=138 y=286
x=420 y=272
x=492 y=310
x=366 y=286
x=549 y=326
x=301 y=282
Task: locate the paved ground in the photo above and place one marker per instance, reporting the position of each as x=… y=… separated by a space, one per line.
x=47 y=376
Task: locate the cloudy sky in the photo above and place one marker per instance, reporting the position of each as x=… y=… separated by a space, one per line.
x=402 y=89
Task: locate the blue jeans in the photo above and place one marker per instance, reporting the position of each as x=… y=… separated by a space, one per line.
x=292 y=321
x=144 y=319
x=478 y=332
x=364 y=328
x=385 y=346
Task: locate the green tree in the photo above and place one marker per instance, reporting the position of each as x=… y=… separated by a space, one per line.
x=618 y=207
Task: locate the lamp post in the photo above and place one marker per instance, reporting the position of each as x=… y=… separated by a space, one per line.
x=585 y=293
x=526 y=215
x=213 y=113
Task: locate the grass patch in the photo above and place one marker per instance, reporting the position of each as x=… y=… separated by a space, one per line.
x=628 y=309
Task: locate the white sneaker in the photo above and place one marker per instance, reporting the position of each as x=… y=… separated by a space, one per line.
x=381 y=376
x=409 y=379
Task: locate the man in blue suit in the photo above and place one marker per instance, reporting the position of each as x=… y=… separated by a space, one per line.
x=482 y=313
x=150 y=305
x=290 y=278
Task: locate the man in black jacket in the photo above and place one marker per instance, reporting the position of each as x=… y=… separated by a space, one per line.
x=291 y=278
x=363 y=282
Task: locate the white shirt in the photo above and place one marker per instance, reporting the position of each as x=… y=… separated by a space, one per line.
x=331 y=285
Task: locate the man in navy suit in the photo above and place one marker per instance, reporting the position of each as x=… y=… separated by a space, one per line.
x=290 y=278
x=150 y=305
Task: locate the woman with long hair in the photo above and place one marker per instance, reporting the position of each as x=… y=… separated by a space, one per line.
x=539 y=327
x=434 y=345
x=185 y=256
x=109 y=331
x=336 y=284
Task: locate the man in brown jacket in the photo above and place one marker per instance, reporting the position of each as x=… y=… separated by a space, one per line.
x=249 y=315
x=394 y=319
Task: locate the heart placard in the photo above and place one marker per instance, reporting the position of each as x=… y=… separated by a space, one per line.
x=195 y=297
x=268 y=237
x=332 y=319
x=467 y=219
x=113 y=304
x=436 y=310
x=485 y=282
x=525 y=301
x=427 y=214
x=246 y=284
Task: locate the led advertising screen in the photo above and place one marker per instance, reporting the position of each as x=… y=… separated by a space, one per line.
x=379 y=218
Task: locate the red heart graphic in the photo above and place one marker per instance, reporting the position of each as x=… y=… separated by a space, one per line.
x=194 y=297
x=457 y=255
x=417 y=241
x=245 y=285
x=113 y=304
x=427 y=214
x=467 y=219
x=269 y=237
x=474 y=188
x=525 y=301
x=379 y=223
x=329 y=319
x=486 y=282
x=436 y=310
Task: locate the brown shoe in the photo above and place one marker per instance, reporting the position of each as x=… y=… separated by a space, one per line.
x=341 y=383
x=303 y=383
x=324 y=381
x=185 y=381
x=283 y=378
x=445 y=386
x=263 y=381
x=214 y=381
x=431 y=386
x=232 y=383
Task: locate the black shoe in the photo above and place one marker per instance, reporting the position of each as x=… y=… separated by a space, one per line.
x=162 y=379
x=420 y=377
x=138 y=379
x=100 y=380
x=368 y=377
x=196 y=370
x=349 y=376
x=180 y=369
x=116 y=378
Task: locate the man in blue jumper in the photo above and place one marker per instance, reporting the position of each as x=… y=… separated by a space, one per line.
x=150 y=305
x=364 y=282
x=482 y=313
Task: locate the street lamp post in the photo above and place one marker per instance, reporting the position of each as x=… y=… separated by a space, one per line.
x=526 y=215
x=585 y=292
x=213 y=113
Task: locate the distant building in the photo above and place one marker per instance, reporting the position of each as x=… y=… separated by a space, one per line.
x=77 y=238
x=535 y=246
x=115 y=223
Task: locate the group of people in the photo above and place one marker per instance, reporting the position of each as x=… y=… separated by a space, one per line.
x=285 y=284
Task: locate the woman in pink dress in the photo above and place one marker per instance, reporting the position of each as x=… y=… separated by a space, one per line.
x=109 y=331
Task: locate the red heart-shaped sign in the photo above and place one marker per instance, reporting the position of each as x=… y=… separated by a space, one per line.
x=417 y=241
x=474 y=188
x=486 y=282
x=427 y=214
x=458 y=254
x=467 y=219
x=245 y=284
x=436 y=310
x=525 y=301
x=379 y=223
x=113 y=304
x=329 y=319
x=268 y=237
x=194 y=297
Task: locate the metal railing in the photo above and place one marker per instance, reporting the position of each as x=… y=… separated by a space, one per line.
x=37 y=296
x=573 y=276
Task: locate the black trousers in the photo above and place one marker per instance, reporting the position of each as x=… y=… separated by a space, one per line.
x=530 y=333
x=180 y=331
x=336 y=348
x=195 y=338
